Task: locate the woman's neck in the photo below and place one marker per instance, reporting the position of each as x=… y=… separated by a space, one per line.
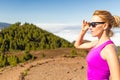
x=104 y=37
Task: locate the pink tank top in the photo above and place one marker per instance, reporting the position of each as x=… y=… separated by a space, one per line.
x=97 y=67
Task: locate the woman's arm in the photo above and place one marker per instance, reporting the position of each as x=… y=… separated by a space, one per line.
x=80 y=42
x=113 y=62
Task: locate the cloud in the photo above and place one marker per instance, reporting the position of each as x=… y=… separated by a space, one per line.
x=58 y=27
x=70 y=32
x=116 y=38
x=69 y=35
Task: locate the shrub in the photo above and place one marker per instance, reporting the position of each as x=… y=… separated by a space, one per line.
x=3 y=60
x=118 y=50
x=83 y=53
x=73 y=53
x=25 y=72
x=27 y=56
x=13 y=60
x=43 y=55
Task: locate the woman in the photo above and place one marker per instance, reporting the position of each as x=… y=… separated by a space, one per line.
x=102 y=59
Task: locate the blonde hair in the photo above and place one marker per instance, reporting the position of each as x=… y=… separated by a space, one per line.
x=113 y=21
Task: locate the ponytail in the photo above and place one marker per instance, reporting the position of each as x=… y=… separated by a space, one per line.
x=116 y=22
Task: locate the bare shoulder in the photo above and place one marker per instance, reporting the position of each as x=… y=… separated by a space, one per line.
x=110 y=51
x=110 y=48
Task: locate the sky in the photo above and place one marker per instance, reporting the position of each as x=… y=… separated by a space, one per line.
x=53 y=11
x=62 y=17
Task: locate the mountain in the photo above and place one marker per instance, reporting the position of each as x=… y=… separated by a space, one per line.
x=29 y=37
x=3 y=25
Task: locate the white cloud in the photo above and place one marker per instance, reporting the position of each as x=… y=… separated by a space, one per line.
x=116 y=38
x=57 y=27
x=70 y=32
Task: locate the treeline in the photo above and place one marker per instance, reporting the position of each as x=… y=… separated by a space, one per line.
x=29 y=37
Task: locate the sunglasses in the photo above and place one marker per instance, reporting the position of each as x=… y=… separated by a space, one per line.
x=93 y=24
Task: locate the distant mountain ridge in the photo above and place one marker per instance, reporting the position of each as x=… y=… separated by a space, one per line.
x=3 y=24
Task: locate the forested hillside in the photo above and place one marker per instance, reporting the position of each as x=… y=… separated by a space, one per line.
x=29 y=37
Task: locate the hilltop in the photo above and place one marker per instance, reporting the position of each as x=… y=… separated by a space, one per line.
x=29 y=37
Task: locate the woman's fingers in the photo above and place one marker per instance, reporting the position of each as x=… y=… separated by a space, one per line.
x=85 y=25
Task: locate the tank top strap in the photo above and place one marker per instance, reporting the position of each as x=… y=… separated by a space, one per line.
x=106 y=43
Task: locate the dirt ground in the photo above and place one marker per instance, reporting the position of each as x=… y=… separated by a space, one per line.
x=59 y=68
x=53 y=67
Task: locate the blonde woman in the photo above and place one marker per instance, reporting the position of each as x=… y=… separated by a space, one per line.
x=102 y=59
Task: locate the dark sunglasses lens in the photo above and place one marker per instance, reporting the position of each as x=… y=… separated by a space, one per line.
x=92 y=24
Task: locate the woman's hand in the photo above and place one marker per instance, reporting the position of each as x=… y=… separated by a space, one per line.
x=85 y=25
x=79 y=43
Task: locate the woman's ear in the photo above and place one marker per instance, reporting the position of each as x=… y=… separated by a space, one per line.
x=106 y=25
